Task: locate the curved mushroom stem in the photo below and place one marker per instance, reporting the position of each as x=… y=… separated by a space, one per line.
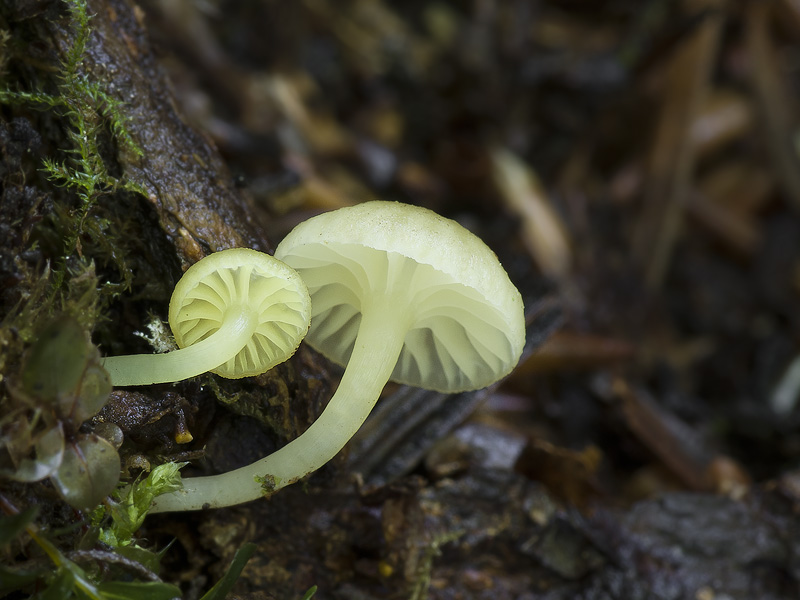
x=208 y=354
x=377 y=348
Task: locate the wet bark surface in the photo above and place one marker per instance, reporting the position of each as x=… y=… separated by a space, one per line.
x=185 y=179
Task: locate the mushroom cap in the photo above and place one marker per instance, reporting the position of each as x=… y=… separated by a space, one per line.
x=467 y=325
x=242 y=279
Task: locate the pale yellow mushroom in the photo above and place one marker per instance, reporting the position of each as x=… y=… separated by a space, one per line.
x=398 y=293
x=236 y=313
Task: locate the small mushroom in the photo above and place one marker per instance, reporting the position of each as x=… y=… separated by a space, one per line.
x=237 y=313
x=398 y=292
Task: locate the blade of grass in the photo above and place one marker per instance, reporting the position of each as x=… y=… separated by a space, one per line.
x=224 y=585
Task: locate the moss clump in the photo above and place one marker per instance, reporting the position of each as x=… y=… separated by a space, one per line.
x=90 y=118
x=56 y=230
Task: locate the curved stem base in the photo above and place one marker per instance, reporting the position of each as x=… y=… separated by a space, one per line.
x=376 y=350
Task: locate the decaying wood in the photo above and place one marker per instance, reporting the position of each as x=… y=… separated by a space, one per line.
x=187 y=182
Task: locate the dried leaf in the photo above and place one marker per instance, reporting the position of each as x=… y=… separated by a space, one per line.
x=544 y=233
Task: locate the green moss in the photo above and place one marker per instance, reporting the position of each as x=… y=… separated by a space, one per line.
x=87 y=112
x=50 y=380
x=65 y=223
x=119 y=520
x=71 y=217
x=422 y=582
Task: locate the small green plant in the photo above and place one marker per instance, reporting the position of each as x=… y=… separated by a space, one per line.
x=50 y=379
x=60 y=386
x=65 y=578
x=69 y=232
x=225 y=584
x=419 y=589
x=119 y=519
x=61 y=383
